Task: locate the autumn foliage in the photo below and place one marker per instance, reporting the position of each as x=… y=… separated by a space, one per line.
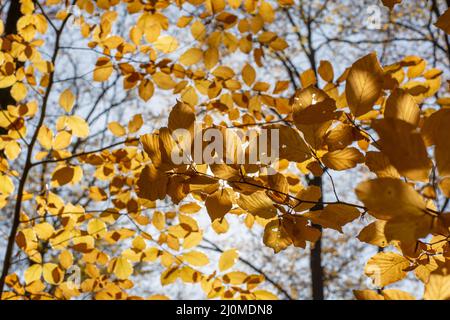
x=391 y=121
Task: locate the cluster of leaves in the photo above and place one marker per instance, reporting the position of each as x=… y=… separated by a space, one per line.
x=327 y=125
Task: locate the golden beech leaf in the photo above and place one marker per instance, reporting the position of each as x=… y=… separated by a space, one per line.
x=325 y=71
x=146 y=89
x=44 y=230
x=318 y=112
x=264 y=295
x=117 y=129
x=379 y=164
x=334 y=216
x=135 y=123
x=374 y=234
x=78 y=125
x=364 y=84
x=6 y=185
x=435 y=131
x=444 y=185
x=152 y=184
x=192 y=56
x=33 y=273
x=394 y=294
x=7 y=81
x=45 y=137
x=308 y=78
x=181 y=116
x=67 y=174
x=53 y=274
x=387 y=198
x=195 y=258
x=122 y=268
x=190 y=208
x=401 y=105
x=404 y=147
x=19 y=91
x=62 y=140
x=385 y=268
x=67 y=100
x=343 y=159
x=438 y=287
x=66 y=259
x=218 y=204
x=276 y=236
x=444 y=22
x=367 y=295
x=308 y=198
x=166 y=44
x=228 y=259
x=292 y=145
x=103 y=69
x=97 y=228
x=215 y=6
x=248 y=74
x=258 y=204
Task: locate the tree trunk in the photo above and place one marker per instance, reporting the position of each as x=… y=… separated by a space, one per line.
x=315 y=261
x=6 y=99
x=10 y=28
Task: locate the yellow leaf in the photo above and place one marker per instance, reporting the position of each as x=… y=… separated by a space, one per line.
x=117 y=129
x=122 y=268
x=67 y=100
x=257 y=203
x=343 y=159
x=401 y=105
x=146 y=89
x=44 y=230
x=97 y=228
x=19 y=91
x=7 y=81
x=192 y=56
x=6 y=185
x=78 y=125
x=325 y=71
x=367 y=295
x=374 y=234
x=166 y=44
x=264 y=295
x=404 y=147
x=385 y=268
x=45 y=137
x=364 y=84
x=62 y=140
x=53 y=274
x=334 y=216
x=103 y=69
x=190 y=207
x=387 y=198
x=66 y=259
x=135 y=123
x=228 y=259
x=195 y=258
x=248 y=74
x=67 y=174
x=393 y=294
x=33 y=273
x=218 y=204
x=438 y=287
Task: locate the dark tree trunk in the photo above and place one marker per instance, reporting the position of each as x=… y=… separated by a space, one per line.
x=315 y=262
x=10 y=28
